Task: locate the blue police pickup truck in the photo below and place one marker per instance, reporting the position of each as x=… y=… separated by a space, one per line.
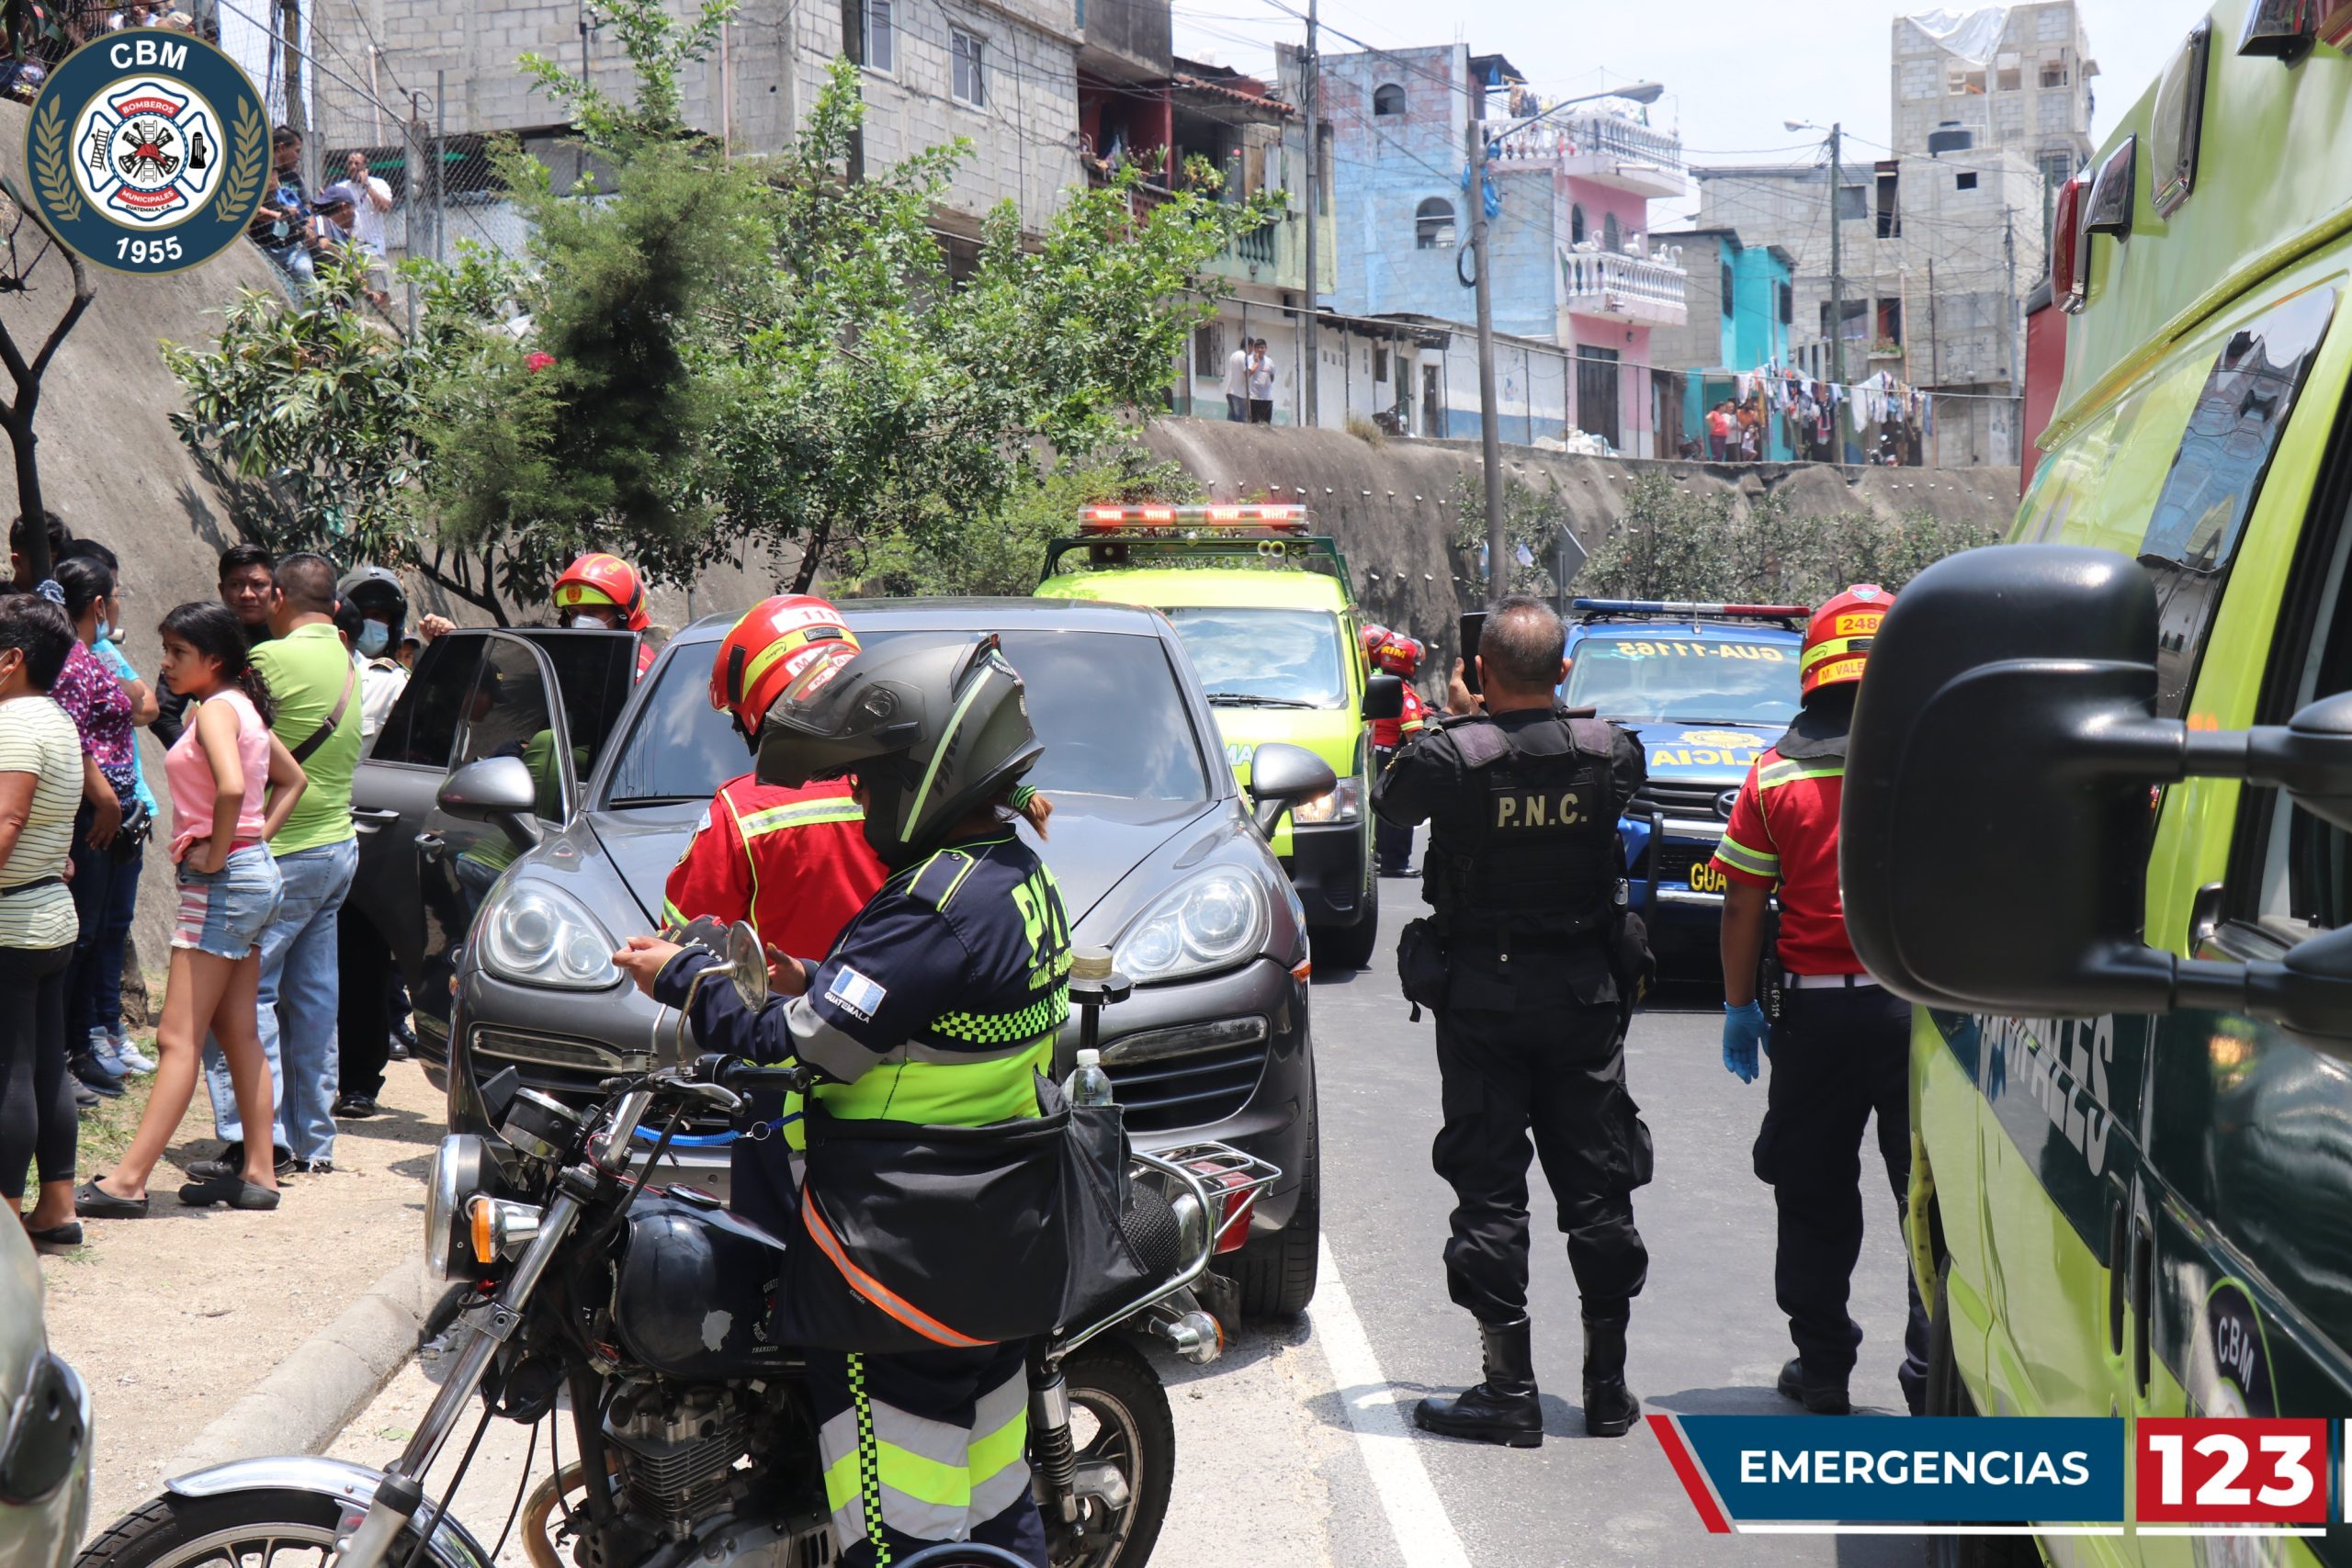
x=1706 y=687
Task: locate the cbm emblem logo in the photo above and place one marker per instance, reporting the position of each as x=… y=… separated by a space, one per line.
x=149 y=151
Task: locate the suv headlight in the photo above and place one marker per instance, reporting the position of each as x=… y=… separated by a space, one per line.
x=1341 y=803
x=538 y=936
x=1211 y=922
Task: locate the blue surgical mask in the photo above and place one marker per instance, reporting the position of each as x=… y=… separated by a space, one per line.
x=109 y=631
x=374 y=638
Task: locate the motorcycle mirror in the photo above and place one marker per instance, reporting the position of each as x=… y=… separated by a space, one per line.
x=742 y=962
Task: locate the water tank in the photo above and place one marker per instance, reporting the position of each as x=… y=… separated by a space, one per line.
x=1950 y=138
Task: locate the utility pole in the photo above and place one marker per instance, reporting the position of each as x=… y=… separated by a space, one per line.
x=1837 y=265
x=1935 y=361
x=2013 y=306
x=1489 y=417
x=1311 y=89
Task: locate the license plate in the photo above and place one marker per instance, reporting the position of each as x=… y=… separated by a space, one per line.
x=1706 y=878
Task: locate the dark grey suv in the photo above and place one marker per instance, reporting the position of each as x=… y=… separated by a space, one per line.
x=501 y=889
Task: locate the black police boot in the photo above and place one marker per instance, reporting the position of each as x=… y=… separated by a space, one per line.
x=1504 y=1408
x=1610 y=1407
x=1823 y=1396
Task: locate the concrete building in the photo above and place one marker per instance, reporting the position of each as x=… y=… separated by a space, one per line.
x=1573 y=265
x=1938 y=255
x=2013 y=76
x=1001 y=73
x=1737 y=326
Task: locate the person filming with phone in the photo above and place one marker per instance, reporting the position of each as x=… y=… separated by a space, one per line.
x=1531 y=960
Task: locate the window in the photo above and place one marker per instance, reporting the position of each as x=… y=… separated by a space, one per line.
x=970 y=84
x=1788 y=304
x=1890 y=322
x=1858 y=314
x=881 y=37
x=1434 y=225
x=2233 y=430
x=1854 y=201
x=1890 y=211
x=1731 y=290
x=2008 y=74
x=2053 y=68
x=509 y=716
x=1965 y=181
x=423 y=726
x=2056 y=167
x=1380 y=362
x=1208 y=349
x=1960 y=80
x=1387 y=98
x=1575 y=224
x=1612 y=235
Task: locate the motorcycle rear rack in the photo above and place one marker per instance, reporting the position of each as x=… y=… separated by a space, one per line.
x=1194 y=1165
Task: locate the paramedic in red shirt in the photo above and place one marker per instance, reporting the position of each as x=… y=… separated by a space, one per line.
x=1840 y=1048
x=1398 y=655
x=794 y=863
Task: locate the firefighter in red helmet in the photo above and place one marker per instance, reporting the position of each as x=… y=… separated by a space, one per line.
x=1840 y=1048
x=1398 y=655
x=601 y=590
x=794 y=863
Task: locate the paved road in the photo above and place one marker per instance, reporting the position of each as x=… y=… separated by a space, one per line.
x=1298 y=1437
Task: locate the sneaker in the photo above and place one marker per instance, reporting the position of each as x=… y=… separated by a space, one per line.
x=130 y=1056
x=85 y=1097
x=102 y=1052
x=313 y=1167
x=94 y=1076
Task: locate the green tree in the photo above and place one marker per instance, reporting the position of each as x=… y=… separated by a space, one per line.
x=1039 y=508
x=1533 y=518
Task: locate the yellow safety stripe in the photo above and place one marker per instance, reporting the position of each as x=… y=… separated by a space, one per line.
x=800 y=814
x=1739 y=857
x=1830 y=647
x=993 y=1452
x=961 y=1094
x=1786 y=771
x=672 y=915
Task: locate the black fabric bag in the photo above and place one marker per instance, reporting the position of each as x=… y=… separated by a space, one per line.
x=1420 y=966
x=1105 y=1271
x=914 y=1239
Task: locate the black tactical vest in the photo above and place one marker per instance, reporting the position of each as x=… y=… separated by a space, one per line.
x=1528 y=846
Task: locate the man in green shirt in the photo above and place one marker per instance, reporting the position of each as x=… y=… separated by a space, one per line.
x=317 y=691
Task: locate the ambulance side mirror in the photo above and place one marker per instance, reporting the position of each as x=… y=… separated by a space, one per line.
x=2000 y=799
x=1384 y=697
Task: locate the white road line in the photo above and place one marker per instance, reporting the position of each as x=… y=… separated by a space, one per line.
x=1424 y=1535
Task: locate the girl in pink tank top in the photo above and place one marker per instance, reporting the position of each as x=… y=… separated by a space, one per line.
x=232 y=785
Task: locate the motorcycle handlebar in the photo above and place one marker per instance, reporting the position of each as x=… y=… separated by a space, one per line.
x=750 y=1077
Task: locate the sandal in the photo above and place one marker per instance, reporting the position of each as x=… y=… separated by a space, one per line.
x=67 y=1234
x=232 y=1190
x=92 y=1202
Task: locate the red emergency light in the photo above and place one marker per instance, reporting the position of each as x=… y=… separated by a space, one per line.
x=2070 y=253
x=1100 y=519
x=1683 y=608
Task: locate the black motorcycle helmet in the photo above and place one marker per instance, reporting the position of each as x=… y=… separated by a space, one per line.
x=933 y=727
x=371 y=593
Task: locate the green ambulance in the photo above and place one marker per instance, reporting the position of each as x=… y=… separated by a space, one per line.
x=1266 y=615
x=2080 y=824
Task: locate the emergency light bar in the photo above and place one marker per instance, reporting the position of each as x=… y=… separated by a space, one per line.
x=1285 y=518
x=1681 y=607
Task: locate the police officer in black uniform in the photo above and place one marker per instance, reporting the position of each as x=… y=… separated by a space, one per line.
x=1529 y=962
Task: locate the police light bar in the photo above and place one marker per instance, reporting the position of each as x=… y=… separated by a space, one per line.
x=1099 y=519
x=1682 y=607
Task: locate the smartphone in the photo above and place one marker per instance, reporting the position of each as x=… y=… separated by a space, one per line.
x=1473 y=623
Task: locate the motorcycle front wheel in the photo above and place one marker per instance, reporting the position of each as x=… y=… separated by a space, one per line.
x=266 y=1528
x=1119 y=1416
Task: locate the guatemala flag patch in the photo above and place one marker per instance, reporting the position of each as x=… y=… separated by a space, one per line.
x=854 y=994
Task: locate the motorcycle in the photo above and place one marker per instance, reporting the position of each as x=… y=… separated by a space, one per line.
x=646 y=1307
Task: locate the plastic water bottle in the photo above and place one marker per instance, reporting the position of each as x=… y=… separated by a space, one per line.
x=1087 y=1084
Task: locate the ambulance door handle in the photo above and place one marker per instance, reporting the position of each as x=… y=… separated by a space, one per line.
x=2119 y=1267
x=2143 y=1259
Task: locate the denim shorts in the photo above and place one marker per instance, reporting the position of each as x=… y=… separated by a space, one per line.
x=223 y=912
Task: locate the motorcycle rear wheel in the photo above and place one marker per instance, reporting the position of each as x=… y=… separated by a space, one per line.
x=1119 y=1416
x=266 y=1528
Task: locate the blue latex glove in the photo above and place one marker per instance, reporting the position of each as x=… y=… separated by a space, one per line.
x=1746 y=1030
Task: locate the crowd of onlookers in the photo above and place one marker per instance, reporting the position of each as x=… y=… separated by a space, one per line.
x=297 y=232
x=37 y=34
x=262 y=700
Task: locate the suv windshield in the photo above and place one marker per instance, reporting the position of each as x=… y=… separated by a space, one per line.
x=1275 y=658
x=1705 y=680
x=1106 y=705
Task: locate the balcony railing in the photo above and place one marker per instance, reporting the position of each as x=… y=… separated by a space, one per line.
x=1256 y=246
x=1631 y=288
x=1608 y=148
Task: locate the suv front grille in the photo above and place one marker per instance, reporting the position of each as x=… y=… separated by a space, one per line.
x=1163 y=1084
x=1677 y=798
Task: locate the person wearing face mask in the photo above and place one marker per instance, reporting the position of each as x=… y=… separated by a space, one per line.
x=604 y=592
x=373 y=615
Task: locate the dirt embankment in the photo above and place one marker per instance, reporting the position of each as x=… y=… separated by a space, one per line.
x=1396 y=508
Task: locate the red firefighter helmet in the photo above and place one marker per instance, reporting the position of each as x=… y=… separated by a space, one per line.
x=594 y=581
x=792 y=642
x=1838 y=640
x=1398 y=655
x=1371 y=638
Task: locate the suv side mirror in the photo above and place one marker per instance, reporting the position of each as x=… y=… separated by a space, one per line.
x=497 y=790
x=1384 y=697
x=1282 y=775
x=2008 y=720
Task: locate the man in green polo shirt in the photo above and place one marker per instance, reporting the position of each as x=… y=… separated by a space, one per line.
x=317 y=691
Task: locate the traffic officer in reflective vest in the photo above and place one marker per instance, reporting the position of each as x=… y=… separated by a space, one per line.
x=1529 y=963
x=1840 y=1048
x=793 y=862
x=1395 y=654
x=939 y=1005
